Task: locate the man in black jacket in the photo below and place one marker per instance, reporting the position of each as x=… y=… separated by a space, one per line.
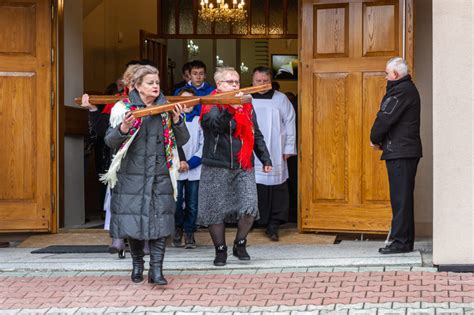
x=396 y=131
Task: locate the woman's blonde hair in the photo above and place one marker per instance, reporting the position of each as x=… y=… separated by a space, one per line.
x=140 y=72
x=128 y=74
x=222 y=71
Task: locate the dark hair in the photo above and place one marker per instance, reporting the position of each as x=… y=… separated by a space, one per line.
x=290 y=94
x=275 y=85
x=132 y=62
x=148 y=62
x=190 y=91
x=263 y=69
x=197 y=64
x=112 y=89
x=186 y=67
x=292 y=98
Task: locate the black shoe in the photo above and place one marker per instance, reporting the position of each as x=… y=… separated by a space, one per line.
x=239 y=250
x=157 y=254
x=273 y=235
x=136 y=251
x=394 y=249
x=178 y=237
x=221 y=256
x=189 y=242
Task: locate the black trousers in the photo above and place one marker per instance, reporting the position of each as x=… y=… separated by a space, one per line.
x=273 y=204
x=401 y=177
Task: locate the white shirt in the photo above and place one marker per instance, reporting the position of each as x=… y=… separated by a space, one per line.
x=276 y=120
x=193 y=148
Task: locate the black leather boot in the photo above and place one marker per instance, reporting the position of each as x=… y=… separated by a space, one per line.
x=157 y=254
x=178 y=237
x=221 y=255
x=272 y=233
x=136 y=251
x=239 y=250
x=189 y=242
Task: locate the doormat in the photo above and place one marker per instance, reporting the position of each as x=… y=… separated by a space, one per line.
x=74 y=237
x=72 y=249
x=100 y=237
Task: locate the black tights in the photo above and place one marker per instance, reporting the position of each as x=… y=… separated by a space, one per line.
x=217 y=231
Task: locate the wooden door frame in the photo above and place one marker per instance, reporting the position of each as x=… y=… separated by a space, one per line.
x=49 y=212
x=55 y=90
x=300 y=128
x=59 y=111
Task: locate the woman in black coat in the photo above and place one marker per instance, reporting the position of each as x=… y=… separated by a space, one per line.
x=143 y=180
x=227 y=189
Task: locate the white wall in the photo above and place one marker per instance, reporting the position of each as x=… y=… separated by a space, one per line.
x=226 y=49
x=73 y=51
x=177 y=49
x=111 y=38
x=94 y=49
x=453 y=132
x=74 y=202
x=175 y=53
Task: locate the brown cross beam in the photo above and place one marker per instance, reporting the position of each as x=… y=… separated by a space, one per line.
x=112 y=99
x=186 y=101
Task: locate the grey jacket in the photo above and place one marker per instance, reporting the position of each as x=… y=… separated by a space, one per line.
x=142 y=203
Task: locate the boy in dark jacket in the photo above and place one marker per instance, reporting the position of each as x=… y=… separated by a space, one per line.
x=396 y=131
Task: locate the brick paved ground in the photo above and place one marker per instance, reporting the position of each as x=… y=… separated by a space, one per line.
x=358 y=291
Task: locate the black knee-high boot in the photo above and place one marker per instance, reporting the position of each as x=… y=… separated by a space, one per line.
x=157 y=254
x=136 y=251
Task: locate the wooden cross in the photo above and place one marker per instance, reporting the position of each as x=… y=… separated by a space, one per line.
x=186 y=101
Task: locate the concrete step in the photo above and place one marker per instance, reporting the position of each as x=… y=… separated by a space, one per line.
x=346 y=254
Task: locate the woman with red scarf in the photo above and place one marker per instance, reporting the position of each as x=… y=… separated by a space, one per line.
x=227 y=190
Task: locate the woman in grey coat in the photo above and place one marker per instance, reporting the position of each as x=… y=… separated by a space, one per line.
x=143 y=171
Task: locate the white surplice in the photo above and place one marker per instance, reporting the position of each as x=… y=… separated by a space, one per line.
x=276 y=120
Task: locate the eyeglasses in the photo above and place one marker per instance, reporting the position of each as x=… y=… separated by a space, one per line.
x=230 y=82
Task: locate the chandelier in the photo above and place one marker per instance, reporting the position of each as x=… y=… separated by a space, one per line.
x=243 y=68
x=221 y=12
x=193 y=49
x=219 y=61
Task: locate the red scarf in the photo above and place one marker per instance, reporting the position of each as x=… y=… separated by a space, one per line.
x=108 y=107
x=243 y=129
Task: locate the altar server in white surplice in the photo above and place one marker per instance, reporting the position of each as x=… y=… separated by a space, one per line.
x=276 y=119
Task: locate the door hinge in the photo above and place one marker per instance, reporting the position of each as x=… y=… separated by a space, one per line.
x=52 y=151
x=52 y=56
x=53 y=203
x=52 y=10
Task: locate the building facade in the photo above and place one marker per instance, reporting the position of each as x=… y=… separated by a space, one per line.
x=343 y=47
